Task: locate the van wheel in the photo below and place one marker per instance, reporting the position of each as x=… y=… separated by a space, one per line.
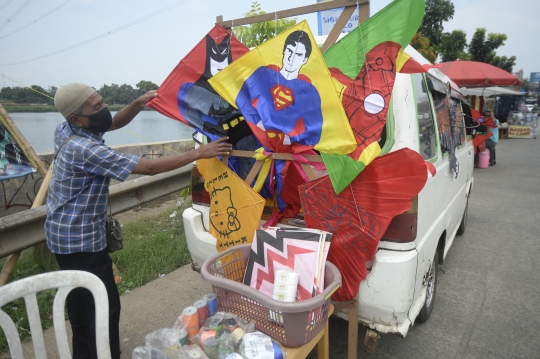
x=463 y=223
x=430 y=279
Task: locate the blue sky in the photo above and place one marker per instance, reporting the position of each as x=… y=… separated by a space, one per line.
x=150 y=49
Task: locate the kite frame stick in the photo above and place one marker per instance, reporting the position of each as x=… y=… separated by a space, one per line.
x=277 y=156
x=253 y=172
x=302 y=10
x=338 y=26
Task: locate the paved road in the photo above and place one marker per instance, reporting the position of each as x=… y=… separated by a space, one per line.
x=488 y=298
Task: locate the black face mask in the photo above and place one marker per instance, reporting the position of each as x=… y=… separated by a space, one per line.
x=100 y=121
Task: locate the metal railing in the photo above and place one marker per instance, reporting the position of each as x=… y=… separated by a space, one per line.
x=25 y=229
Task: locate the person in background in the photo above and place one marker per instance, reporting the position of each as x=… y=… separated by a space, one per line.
x=78 y=197
x=492 y=141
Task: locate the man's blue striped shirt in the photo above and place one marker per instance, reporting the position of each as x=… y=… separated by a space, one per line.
x=79 y=190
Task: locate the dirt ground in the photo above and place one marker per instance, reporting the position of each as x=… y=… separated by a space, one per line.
x=151 y=208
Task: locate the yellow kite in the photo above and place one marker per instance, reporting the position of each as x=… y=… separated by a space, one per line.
x=235 y=209
x=286 y=93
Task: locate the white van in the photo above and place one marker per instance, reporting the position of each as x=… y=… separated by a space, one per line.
x=401 y=285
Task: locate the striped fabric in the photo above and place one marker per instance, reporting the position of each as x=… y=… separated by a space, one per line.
x=79 y=190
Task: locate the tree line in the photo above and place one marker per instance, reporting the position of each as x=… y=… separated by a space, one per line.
x=431 y=41
x=112 y=94
x=434 y=43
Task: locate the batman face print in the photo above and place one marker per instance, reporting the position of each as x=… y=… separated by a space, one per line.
x=217 y=56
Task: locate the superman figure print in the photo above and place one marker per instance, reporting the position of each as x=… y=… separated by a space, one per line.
x=281 y=106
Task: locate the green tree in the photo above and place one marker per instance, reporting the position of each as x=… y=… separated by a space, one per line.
x=505 y=63
x=118 y=95
x=422 y=45
x=145 y=86
x=437 y=12
x=482 y=49
x=28 y=95
x=453 y=46
x=255 y=34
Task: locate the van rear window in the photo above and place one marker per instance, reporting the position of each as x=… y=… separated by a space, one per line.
x=426 y=125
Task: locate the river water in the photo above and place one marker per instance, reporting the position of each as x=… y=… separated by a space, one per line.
x=147 y=126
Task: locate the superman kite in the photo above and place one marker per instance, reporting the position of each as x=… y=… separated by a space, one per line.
x=291 y=107
x=282 y=102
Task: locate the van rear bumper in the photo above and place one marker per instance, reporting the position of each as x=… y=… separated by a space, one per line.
x=386 y=295
x=201 y=244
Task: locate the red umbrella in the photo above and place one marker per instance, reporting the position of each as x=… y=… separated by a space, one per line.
x=477 y=74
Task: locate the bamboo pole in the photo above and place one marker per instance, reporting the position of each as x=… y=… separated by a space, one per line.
x=338 y=27
x=22 y=142
x=41 y=197
x=298 y=11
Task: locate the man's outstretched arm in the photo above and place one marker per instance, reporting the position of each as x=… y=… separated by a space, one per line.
x=169 y=163
x=125 y=115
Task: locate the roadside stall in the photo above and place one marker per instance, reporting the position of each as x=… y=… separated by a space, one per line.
x=483 y=83
x=480 y=82
x=505 y=104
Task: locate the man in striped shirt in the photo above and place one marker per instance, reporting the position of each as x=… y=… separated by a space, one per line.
x=78 y=197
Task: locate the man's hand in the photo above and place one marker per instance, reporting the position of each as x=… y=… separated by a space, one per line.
x=169 y=163
x=125 y=115
x=215 y=148
x=147 y=97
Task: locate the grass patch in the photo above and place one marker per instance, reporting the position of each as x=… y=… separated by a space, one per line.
x=153 y=245
x=30 y=108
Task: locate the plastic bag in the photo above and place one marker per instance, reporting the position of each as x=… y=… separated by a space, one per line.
x=257 y=345
x=148 y=352
x=195 y=352
x=166 y=338
x=228 y=322
x=220 y=334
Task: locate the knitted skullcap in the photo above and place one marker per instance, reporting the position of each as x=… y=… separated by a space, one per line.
x=70 y=97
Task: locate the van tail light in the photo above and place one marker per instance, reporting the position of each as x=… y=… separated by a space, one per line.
x=403 y=227
x=198 y=192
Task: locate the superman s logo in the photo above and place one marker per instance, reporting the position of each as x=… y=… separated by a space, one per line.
x=283 y=96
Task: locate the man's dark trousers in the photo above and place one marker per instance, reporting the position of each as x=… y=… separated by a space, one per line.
x=80 y=303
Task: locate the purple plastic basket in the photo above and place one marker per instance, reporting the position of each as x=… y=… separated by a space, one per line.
x=291 y=324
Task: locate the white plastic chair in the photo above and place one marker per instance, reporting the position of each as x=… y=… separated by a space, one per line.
x=65 y=281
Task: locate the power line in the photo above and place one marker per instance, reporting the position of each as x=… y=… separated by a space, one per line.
x=6 y=4
x=33 y=22
x=14 y=15
x=102 y=35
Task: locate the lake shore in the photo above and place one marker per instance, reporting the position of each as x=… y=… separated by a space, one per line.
x=12 y=108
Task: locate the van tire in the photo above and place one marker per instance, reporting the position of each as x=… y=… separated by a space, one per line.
x=463 y=223
x=432 y=279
